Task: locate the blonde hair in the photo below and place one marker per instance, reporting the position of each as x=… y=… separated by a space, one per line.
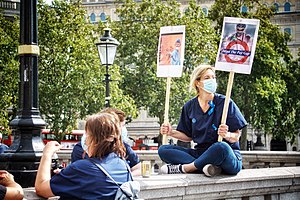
x=197 y=74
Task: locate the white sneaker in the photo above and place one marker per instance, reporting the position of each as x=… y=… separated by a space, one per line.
x=211 y=170
x=171 y=169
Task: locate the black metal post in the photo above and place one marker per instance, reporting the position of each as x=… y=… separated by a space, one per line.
x=107 y=91
x=23 y=156
x=107 y=80
x=105 y=43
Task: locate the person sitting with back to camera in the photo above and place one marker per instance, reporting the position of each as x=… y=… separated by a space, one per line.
x=3 y=147
x=9 y=189
x=83 y=179
x=198 y=122
x=131 y=157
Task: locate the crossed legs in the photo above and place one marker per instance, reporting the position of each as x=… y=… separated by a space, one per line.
x=219 y=154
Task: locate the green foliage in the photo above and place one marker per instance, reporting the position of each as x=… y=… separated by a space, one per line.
x=9 y=41
x=138 y=32
x=68 y=78
x=70 y=73
x=265 y=95
x=71 y=77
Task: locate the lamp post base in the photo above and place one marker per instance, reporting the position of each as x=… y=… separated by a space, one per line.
x=23 y=157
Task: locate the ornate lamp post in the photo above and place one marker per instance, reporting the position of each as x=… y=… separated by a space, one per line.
x=259 y=145
x=23 y=156
x=107 y=48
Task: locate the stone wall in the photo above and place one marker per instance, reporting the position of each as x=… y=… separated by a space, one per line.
x=250 y=184
x=251 y=159
x=267 y=183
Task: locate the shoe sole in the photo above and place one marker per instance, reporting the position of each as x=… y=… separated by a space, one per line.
x=212 y=171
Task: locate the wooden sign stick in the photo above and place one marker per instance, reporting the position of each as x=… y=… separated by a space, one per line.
x=226 y=103
x=167 y=105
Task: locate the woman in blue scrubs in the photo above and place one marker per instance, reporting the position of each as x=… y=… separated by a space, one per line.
x=83 y=179
x=131 y=157
x=200 y=122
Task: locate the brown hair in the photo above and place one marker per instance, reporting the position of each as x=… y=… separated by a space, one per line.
x=197 y=74
x=104 y=130
x=120 y=113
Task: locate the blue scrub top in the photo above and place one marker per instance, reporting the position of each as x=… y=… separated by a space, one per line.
x=202 y=127
x=2 y=191
x=84 y=180
x=3 y=147
x=131 y=157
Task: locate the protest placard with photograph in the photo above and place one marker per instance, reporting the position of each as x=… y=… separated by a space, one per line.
x=170 y=54
x=237 y=45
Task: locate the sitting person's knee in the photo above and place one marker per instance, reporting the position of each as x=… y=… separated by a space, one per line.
x=162 y=148
x=222 y=147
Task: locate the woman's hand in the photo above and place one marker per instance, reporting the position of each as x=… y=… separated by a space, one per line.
x=231 y=137
x=166 y=129
x=223 y=130
x=13 y=190
x=6 y=178
x=51 y=148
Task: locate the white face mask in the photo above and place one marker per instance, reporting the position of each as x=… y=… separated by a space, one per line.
x=124 y=134
x=84 y=146
x=210 y=85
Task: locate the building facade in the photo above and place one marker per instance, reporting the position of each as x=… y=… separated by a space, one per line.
x=10 y=8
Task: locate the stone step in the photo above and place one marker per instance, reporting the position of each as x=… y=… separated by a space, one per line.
x=252 y=184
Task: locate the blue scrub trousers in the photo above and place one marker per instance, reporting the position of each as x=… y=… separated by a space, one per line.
x=219 y=154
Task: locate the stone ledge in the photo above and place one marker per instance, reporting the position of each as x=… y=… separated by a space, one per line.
x=251 y=159
x=248 y=183
x=270 y=183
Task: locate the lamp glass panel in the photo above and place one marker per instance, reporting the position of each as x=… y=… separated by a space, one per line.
x=111 y=52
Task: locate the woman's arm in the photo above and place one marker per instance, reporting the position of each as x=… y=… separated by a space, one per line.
x=13 y=190
x=43 y=177
x=231 y=137
x=136 y=169
x=166 y=129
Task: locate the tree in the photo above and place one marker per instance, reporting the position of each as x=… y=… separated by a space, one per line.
x=138 y=31
x=71 y=84
x=9 y=65
x=264 y=95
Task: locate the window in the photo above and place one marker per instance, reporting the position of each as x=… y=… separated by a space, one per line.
x=103 y=17
x=205 y=11
x=287 y=7
x=93 y=17
x=288 y=30
x=244 y=9
x=276 y=7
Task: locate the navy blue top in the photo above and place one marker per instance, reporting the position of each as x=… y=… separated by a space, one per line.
x=2 y=192
x=131 y=157
x=3 y=147
x=202 y=127
x=84 y=180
